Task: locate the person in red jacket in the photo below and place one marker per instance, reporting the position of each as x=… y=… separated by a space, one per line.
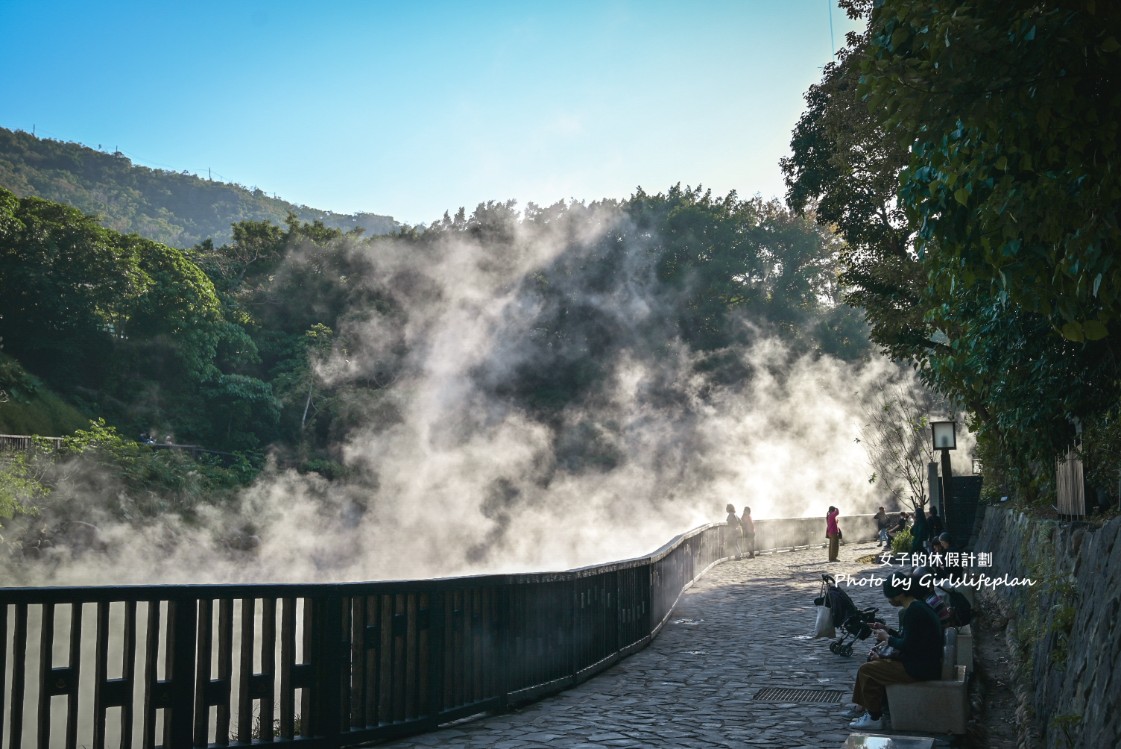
x=833 y=532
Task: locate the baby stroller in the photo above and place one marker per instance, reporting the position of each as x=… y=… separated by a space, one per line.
x=847 y=618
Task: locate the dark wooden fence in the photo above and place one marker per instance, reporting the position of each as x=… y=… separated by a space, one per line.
x=963 y=516
x=26 y=442
x=326 y=665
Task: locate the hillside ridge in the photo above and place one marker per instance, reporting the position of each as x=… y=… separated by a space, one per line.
x=178 y=209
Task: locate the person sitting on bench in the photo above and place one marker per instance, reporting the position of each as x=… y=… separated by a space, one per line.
x=916 y=652
x=901 y=524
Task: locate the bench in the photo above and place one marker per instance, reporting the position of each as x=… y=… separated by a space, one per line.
x=937 y=706
x=879 y=741
x=965 y=634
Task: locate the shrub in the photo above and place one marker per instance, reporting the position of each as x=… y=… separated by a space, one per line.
x=20 y=488
x=902 y=542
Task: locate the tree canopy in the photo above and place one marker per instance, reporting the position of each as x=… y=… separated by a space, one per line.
x=968 y=154
x=1011 y=111
x=125 y=326
x=290 y=339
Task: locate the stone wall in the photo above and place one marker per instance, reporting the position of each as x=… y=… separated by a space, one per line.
x=1067 y=625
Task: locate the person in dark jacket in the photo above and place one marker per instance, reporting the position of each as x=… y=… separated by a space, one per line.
x=918 y=532
x=916 y=653
x=748 y=532
x=882 y=523
x=896 y=526
x=934 y=526
x=733 y=533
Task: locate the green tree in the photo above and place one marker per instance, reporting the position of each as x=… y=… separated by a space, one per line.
x=277 y=285
x=682 y=267
x=297 y=380
x=129 y=327
x=843 y=172
x=256 y=249
x=997 y=123
x=66 y=286
x=20 y=486
x=179 y=312
x=1012 y=112
x=730 y=260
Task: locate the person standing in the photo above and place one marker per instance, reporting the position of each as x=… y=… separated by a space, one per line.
x=733 y=533
x=748 y=532
x=833 y=532
x=881 y=526
x=934 y=526
x=918 y=532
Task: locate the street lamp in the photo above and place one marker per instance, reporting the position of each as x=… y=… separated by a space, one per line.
x=944 y=434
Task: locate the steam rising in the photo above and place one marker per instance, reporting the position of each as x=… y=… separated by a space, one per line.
x=450 y=474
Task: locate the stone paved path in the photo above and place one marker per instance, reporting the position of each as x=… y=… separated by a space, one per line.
x=743 y=626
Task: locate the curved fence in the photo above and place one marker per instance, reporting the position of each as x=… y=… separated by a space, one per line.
x=328 y=665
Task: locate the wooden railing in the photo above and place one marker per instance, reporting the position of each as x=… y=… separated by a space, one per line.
x=26 y=442
x=327 y=665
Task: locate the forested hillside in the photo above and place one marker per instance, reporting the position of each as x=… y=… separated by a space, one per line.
x=522 y=352
x=225 y=344
x=175 y=209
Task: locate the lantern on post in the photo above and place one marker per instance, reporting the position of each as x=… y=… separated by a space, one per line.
x=944 y=434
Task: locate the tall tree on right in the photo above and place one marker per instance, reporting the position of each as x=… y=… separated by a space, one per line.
x=1012 y=113
x=844 y=170
x=968 y=153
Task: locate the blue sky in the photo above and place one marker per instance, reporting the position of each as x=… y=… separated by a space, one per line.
x=415 y=108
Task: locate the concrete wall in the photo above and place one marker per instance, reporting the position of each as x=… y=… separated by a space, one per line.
x=1068 y=624
x=788 y=533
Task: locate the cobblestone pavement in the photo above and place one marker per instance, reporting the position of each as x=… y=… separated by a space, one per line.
x=743 y=626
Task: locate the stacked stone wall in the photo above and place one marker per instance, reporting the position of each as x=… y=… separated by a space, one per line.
x=1067 y=625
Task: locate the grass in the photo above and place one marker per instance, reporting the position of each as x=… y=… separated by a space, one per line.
x=27 y=406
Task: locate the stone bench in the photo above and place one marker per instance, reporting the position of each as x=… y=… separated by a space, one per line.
x=880 y=741
x=937 y=706
x=964 y=645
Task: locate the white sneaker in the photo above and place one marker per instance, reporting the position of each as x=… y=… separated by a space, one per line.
x=853 y=711
x=865 y=722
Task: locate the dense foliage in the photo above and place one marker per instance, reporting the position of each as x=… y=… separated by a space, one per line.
x=126 y=328
x=718 y=272
x=968 y=154
x=289 y=338
x=168 y=207
x=20 y=490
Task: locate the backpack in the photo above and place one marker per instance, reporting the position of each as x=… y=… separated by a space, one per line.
x=961 y=611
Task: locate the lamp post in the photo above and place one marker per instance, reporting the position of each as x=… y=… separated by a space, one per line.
x=944 y=434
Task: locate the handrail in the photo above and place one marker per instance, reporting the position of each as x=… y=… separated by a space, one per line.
x=333 y=664
x=27 y=442
x=327 y=665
